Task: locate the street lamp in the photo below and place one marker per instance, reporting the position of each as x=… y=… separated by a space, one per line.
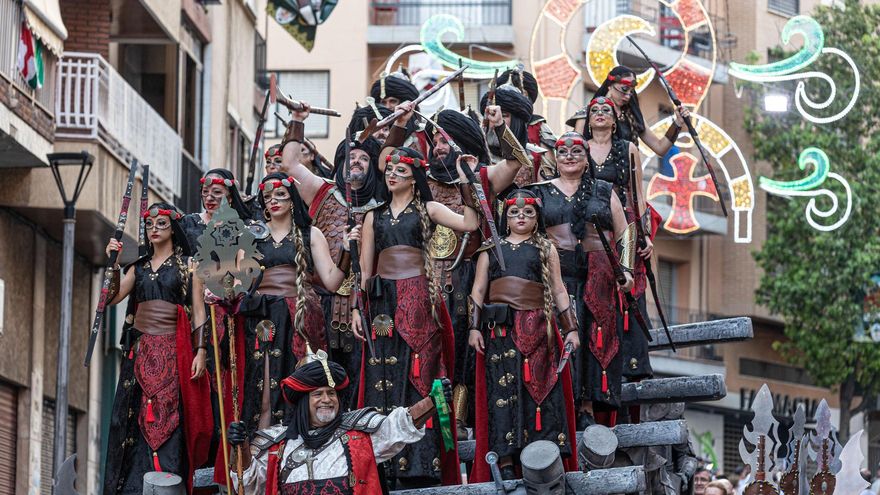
x=57 y=160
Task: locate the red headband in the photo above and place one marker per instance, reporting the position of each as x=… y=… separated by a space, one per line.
x=521 y=202
x=625 y=81
x=277 y=183
x=277 y=152
x=300 y=387
x=570 y=142
x=601 y=100
x=405 y=159
x=155 y=212
x=217 y=180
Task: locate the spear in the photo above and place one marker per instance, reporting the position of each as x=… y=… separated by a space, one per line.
x=114 y=255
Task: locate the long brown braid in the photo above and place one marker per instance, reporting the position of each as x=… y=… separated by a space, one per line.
x=544 y=247
x=183 y=274
x=301 y=279
x=427 y=259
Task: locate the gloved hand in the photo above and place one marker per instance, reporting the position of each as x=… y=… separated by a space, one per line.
x=447 y=390
x=236 y=434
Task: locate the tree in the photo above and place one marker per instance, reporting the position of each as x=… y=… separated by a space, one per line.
x=816 y=280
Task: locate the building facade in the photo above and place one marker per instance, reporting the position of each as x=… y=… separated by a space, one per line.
x=169 y=83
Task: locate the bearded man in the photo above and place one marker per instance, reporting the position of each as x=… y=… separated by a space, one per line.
x=321 y=450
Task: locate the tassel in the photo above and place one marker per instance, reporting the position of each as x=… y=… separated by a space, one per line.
x=504 y=331
x=604 y=382
x=416 y=366
x=599 y=341
x=430 y=423
x=151 y=418
x=373 y=333
x=131 y=352
x=527 y=371
x=626 y=321
x=156 y=465
x=257 y=344
x=538 y=419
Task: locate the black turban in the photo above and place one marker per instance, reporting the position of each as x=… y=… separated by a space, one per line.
x=395 y=86
x=466 y=133
x=308 y=378
x=373 y=182
x=357 y=118
x=528 y=82
x=511 y=101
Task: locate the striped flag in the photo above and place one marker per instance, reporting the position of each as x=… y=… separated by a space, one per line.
x=30 y=57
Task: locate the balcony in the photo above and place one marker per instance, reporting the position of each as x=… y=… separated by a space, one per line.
x=94 y=103
x=393 y=22
x=26 y=128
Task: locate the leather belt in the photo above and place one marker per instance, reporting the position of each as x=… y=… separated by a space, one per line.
x=400 y=262
x=279 y=281
x=156 y=317
x=518 y=293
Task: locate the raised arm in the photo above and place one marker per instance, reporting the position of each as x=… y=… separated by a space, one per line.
x=120 y=285
x=501 y=174
x=308 y=184
x=441 y=215
x=661 y=145
x=397 y=133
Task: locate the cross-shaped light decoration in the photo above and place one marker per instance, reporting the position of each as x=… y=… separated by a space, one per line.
x=682 y=186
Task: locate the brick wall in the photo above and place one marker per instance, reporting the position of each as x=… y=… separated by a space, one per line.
x=88 y=26
x=21 y=104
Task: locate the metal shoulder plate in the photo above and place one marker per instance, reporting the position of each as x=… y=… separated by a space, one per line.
x=264 y=439
x=367 y=420
x=259 y=229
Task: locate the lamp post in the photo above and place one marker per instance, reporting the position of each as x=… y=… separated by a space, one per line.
x=57 y=160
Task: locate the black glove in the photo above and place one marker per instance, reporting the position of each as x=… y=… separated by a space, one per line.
x=447 y=390
x=236 y=434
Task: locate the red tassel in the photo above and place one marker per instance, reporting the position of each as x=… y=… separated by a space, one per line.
x=626 y=321
x=430 y=423
x=417 y=365
x=604 y=382
x=131 y=353
x=527 y=371
x=599 y=341
x=538 y=419
x=257 y=344
x=504 y=331
x=373 y=333
x=156 y=465
x=151 y=418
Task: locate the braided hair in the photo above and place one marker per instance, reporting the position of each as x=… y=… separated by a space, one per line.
x=300 y=231
x=538 y=238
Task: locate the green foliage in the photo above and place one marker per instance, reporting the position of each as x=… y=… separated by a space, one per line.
x=813 y=279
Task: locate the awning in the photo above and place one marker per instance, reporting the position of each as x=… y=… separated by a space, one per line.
x=44 y=19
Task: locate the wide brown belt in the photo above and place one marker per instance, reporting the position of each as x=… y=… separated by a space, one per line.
x=400 y=262
x=518 y=293
x=156 y=317
x=279 y=281
x=564 y=238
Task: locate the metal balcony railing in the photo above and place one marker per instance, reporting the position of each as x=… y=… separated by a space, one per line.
x=416 y=12
x=10 y=34
x=93 y=101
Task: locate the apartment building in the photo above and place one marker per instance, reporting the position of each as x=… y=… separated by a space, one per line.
x=169 y=83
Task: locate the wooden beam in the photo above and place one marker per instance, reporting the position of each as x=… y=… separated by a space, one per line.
x=628 y=479
x=678 y=389
x=705 y=332
x=641 y=435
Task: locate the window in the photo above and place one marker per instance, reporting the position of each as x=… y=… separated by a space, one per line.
x=311 y=86
x=773 y=371
x=261 y=78
x=784 y=7
x=667 y=281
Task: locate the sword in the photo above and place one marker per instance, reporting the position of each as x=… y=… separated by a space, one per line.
x=566 y=354
x=481 y=196
x=621 y=280
x=687 y=122
x=391 y=118
x=114 y=255
x=641 y=242
x=460 y=87
x=354 y=250
x=464 y=241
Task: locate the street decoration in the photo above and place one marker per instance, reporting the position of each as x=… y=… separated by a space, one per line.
x=788 y=70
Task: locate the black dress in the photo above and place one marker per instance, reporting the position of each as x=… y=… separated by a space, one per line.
x=526 y=400
x=161 y=420
x=596 y=366
x=615 y=169
x=416 y=350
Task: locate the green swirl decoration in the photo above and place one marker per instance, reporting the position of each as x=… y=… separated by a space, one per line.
x=810 y=156
x=814 y=41
x=431 y=40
